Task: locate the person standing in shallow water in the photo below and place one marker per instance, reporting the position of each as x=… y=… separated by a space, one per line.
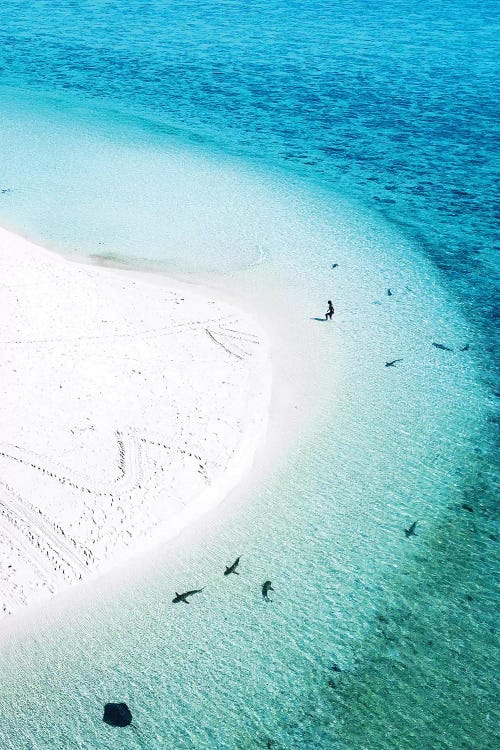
x=330 y=311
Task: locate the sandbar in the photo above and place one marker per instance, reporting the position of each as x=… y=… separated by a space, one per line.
x=128 y=410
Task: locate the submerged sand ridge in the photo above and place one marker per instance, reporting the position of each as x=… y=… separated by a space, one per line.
x=128 y=409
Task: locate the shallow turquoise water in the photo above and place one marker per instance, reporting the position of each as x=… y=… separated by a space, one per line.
x=394 y=102
x=243 y=147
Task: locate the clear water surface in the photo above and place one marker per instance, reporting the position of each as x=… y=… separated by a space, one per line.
x=259 y=143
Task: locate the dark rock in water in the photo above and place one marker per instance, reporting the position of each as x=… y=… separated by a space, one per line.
x=117 y=715
x=468 y=507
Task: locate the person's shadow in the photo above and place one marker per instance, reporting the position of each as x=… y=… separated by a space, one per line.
x=320 y=320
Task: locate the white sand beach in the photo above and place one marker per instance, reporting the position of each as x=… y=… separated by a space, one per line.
x=128 y=409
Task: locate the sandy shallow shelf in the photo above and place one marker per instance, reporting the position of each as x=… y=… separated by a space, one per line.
x=127 y=409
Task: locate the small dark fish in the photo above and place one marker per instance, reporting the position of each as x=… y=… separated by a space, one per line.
x=467 y=507
x=411 y=530
x=184 y=597
x=335 y=265
x=392 y=362
x=336 y=668
x=232 y=568
x=266 y=588
x=389 y=293
x=442 y=346
x=465 y=348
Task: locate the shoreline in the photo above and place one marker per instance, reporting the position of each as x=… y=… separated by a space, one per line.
x=237 y=466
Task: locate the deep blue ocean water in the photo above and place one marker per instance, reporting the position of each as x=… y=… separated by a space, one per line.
x=389 y=112
x=395 y=102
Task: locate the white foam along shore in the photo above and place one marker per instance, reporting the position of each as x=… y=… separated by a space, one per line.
x=128 y=410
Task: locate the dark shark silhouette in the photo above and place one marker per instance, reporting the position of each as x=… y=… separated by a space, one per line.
x=266 y=588
x=184 y=597
x=442 y=346
x=232 y=568
x=410 y=531
x=392 y=362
